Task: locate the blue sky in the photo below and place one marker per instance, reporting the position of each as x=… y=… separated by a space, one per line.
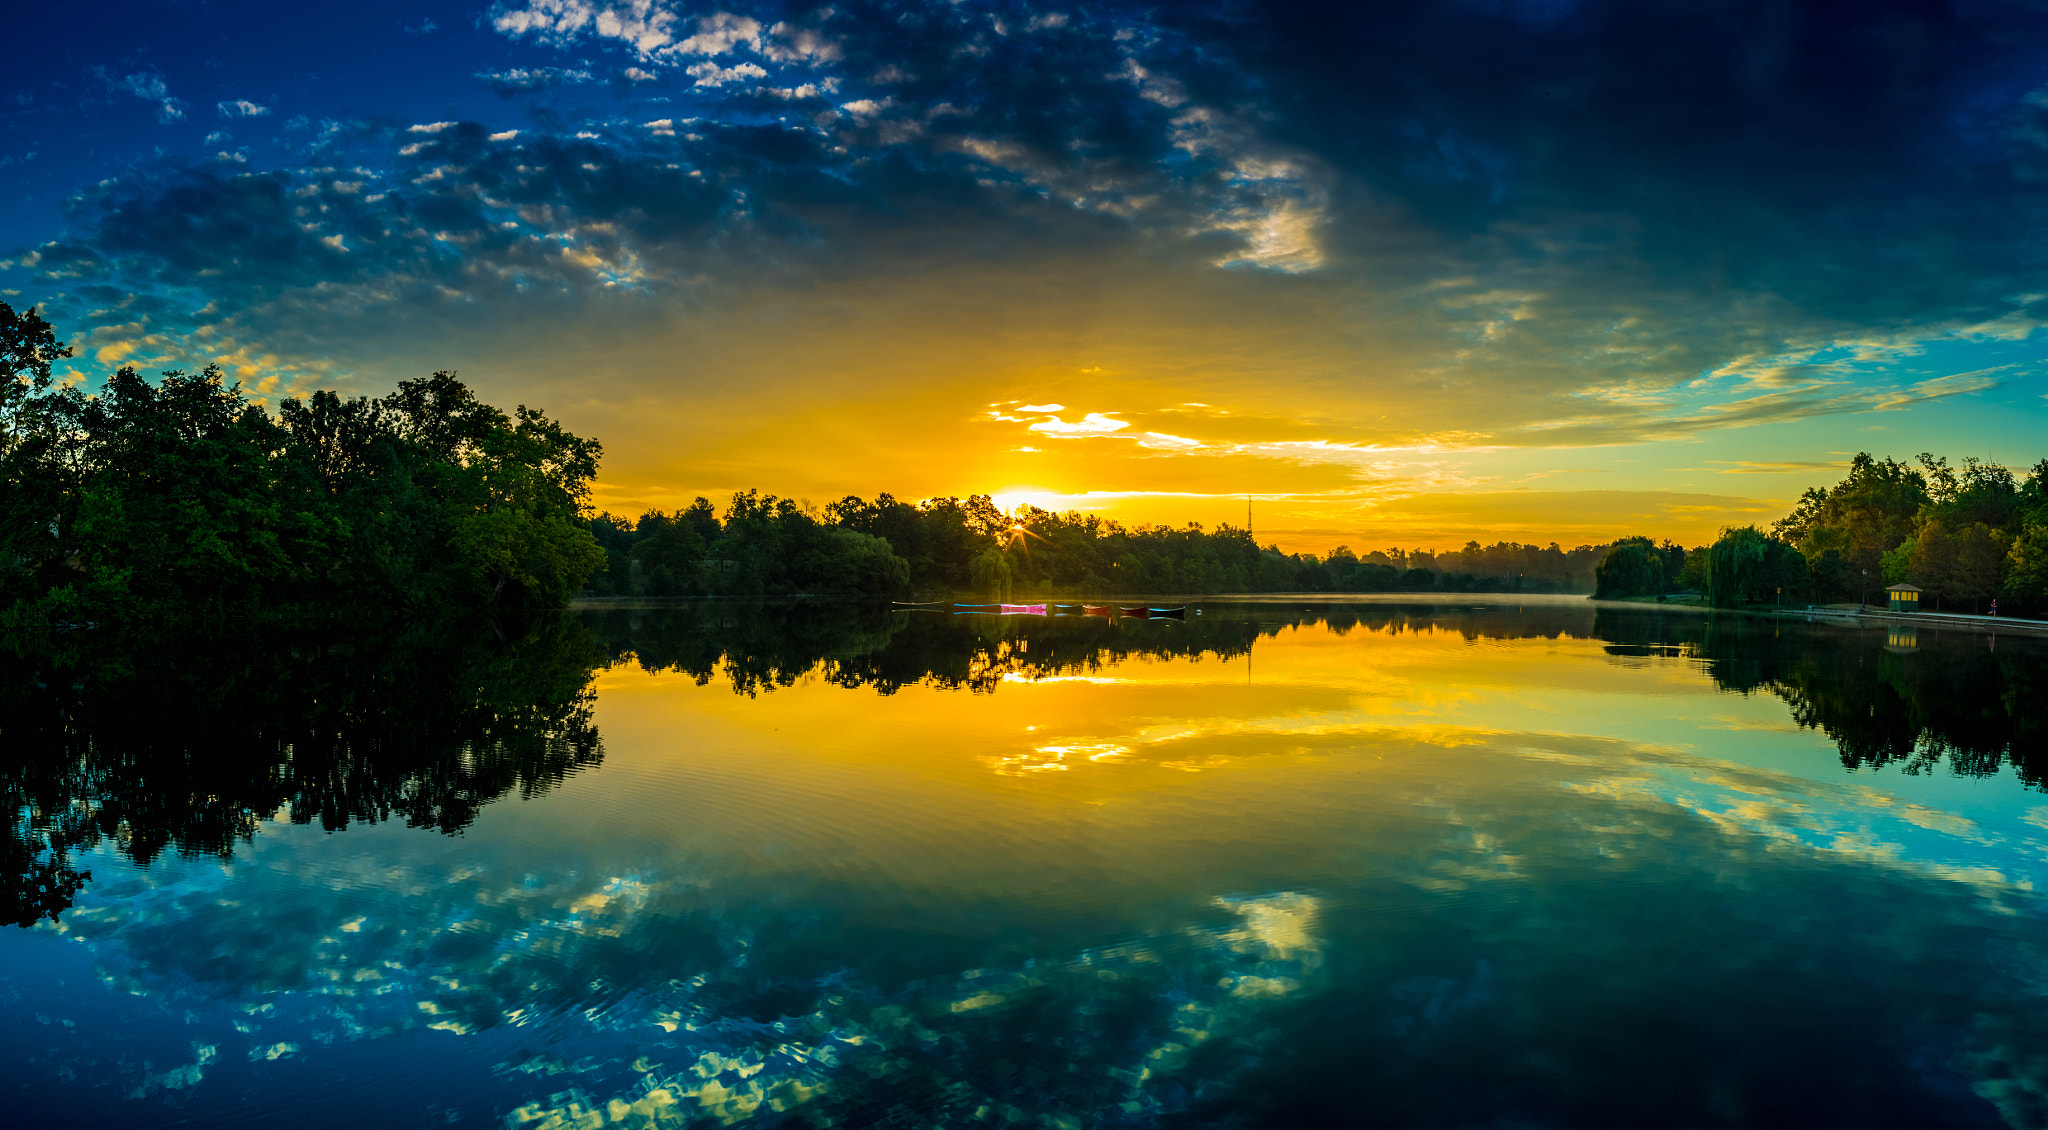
x=1407 y=272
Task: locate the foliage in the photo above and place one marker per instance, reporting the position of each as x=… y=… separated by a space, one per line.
x=1942 y=698
x=154 y=740
x=1964 y=535
x=183 y=497
x=1871 y=510
x=1635 y=567
x=1748 y=566
x=766 y=545
x=2026 y=578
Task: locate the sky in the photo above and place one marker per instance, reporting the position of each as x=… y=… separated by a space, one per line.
x=1386 y=274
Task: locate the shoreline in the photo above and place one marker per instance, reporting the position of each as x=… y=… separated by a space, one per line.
x=1838 y=617
x=1963 y=621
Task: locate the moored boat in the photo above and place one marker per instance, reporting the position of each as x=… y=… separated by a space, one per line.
x=1179 y=612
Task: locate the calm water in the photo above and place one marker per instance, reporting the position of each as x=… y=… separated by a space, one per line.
x=1283 y=865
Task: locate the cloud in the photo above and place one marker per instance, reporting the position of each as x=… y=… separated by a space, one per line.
x=1937 y=388
x=644 y=26
x=529 y=80
x=711 y=74
x=720 y=33
x=241 y=108
x=1093 y=424
x=1380 y=229
x=148 y=86
x=1775 y=466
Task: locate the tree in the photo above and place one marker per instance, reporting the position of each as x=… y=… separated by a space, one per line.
x=28 y=346
x=1694 y=578
x=1871 y=510
x=1979 y=564
x=1633 y=567
x=1897 y=563
x=1933 y=560
x=181 y=497
x=1747 y=566
x=991 y=574
x=1830 y=576
x=668 y=554
x=2026 y=562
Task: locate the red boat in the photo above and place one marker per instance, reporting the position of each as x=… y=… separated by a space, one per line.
x=1098 y=610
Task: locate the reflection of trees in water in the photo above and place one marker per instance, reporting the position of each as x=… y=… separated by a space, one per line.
x=189 y=744
x=1957 y=697
x=1952 y=697
x=762 y=646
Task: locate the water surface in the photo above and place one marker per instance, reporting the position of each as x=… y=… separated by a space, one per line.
x=1373 y=863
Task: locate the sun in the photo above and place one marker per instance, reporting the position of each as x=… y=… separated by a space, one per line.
x=1009 y=500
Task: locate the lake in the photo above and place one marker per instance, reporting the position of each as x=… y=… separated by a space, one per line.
x=1290 y=863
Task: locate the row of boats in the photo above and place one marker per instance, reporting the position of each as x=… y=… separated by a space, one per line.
x=1178 y=612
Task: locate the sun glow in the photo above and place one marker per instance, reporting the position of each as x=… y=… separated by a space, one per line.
x=1010 y=500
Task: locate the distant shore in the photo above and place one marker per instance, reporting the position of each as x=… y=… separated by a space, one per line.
x=1839 y=615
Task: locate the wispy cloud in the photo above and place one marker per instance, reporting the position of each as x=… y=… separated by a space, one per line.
x=529 y=80
x=1774 y=466
x=148 y=86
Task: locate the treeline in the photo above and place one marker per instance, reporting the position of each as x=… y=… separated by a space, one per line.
x=764 y=545
x=183 y=497
x=1965 y=535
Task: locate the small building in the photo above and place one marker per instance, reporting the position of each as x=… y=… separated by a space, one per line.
x=1904 y=598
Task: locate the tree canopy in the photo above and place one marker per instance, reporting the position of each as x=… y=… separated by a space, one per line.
x=184 y=496
x=1964 y=535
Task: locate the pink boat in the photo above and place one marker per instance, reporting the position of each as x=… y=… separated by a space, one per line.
x=1023 y=609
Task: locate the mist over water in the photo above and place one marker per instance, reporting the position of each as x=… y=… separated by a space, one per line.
x=1369 y=863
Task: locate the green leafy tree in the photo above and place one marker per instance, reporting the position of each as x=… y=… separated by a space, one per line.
x=1633 y=567
x=1978 y=574
x=28 y=347
x=991 y=574
x=1748 y=566
x=1932 y=564
x=181 y=497
x=2026 y=564
x=1897 y=563
x=1871 y=510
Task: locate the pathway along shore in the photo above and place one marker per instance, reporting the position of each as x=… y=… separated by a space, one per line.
x=1963 y=621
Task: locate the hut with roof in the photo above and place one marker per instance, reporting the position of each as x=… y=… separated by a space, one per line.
x=1904 y=598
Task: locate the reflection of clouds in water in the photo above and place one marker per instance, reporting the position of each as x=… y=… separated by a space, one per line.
x=1055 y=757
x=939 y=1041
x=718 y=1025
x=177 y=1078
x=660 y=999
x=1276 y=933
x=1843 y=820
